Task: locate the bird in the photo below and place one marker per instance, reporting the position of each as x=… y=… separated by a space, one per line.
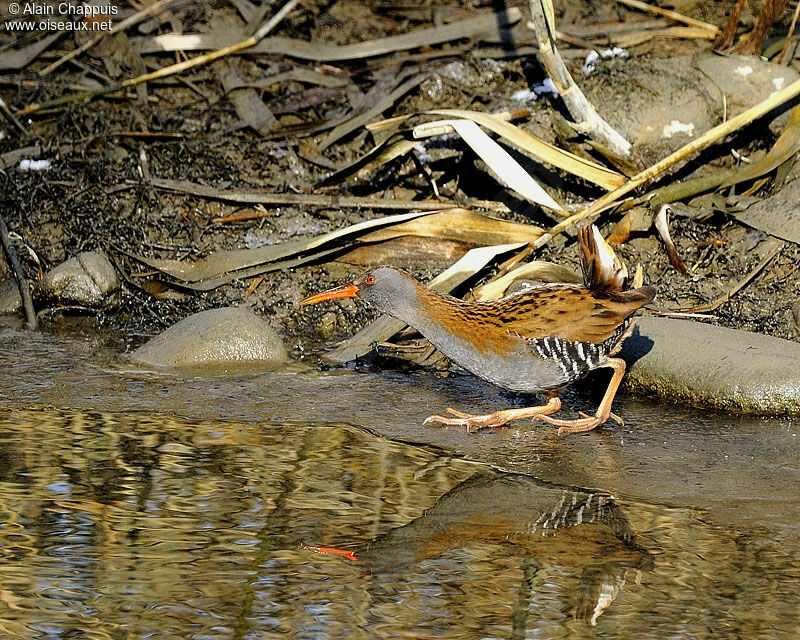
x=537 y=340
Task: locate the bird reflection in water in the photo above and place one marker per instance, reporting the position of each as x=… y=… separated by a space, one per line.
x=548 y=525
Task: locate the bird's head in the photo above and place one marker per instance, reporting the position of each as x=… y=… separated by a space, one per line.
x=383 y=287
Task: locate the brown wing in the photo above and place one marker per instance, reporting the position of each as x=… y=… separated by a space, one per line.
x=573 y=313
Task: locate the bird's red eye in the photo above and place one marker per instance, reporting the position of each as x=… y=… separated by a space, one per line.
x=370 y=279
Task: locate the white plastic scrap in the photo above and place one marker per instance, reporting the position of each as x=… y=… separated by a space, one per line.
x=589 y=63
x=544 y=88
x=422 y=153
x=593 y=56
x=524 y=95
x=26 y=164
x=677 y=127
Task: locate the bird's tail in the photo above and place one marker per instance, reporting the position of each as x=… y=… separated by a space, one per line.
x=602 y=268
x=604 y=271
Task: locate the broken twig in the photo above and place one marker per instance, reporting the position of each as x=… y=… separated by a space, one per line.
x=324 y=52
x=672 y=15
x=16 y=268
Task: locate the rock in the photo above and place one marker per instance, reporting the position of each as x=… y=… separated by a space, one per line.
x=10 y=300
x=714 y=366
x=226 y=335
x=745 y=81
x=87 y=280
x=659 y=105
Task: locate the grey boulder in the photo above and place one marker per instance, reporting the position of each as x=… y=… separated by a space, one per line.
x=713 y=366
x=217 y=336
x=87 y=280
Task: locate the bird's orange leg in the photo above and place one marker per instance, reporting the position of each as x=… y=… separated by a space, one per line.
x=499 y=418
x=603 y=413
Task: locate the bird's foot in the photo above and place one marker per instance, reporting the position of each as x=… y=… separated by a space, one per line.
x=585 y=423
x=498 y=418
x=613 y=416
x=470 y=421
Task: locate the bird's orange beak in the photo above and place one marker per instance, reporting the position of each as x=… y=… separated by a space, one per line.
x=345 y=291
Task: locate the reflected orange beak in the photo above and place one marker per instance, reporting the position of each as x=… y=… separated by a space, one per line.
x=334 y=551
x=345 y=291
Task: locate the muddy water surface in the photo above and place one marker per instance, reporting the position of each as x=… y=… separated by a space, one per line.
x=140 y=504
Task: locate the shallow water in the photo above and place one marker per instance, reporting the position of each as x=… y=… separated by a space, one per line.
x=145 y=505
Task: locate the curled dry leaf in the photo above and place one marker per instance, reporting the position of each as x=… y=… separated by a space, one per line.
x=662 y=225
x=452 y=232
x=507 y=170
x=406 y=252
x=461 y=225
x=221 y=262
x=400 y=142
x=524 y=142
x=636 y=220
x=458 y=225
x=537 y=270
x=539 y=149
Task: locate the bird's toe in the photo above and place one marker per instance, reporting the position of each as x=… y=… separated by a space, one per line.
x=458 y=414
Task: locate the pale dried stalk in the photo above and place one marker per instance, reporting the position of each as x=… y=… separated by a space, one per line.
x=587 y=120
x=673 y=15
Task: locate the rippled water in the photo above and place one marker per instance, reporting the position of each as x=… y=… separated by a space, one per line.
x=121 y=519
x=129 y=526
